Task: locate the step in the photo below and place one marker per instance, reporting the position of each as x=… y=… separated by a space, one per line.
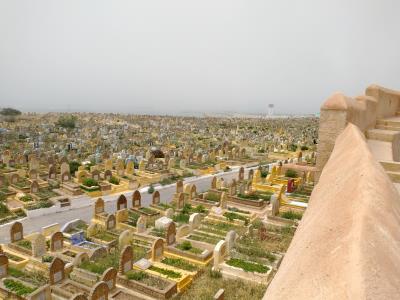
x=391 y=166
x=395 y=122
x=393 y=128
x=383 y=135
x=394 y=176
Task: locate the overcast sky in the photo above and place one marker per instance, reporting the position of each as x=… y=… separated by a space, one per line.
x=166 y=56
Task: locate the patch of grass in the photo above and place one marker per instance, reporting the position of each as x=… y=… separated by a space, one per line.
x=168 y=273
x=209 y=282
x=147 y=279
x=291 y=215
x=247 y=266
x=180 y=264
x=18 y=287
x=114 y=180
x=25 y=244
x=181 y=218
x=231 y=216
x=187 y=246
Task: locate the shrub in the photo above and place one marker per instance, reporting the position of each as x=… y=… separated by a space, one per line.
x=303 y=148
x=68 y=121
x=47 y=258
x=185 y=246
x=114 y=180
x=199 y=209
x=90 y=182
x=291 y=173
x=215 y=274
x=73 y=166
x=151 y=189
x=292 y=147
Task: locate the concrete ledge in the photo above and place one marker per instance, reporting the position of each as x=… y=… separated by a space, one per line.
x=347 y=244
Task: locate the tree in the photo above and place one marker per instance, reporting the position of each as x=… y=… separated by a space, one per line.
x=151 y=189
x=10 y=112
x=68 y=121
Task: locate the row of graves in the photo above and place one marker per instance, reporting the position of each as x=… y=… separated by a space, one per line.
x=27 y=186
x=154 y=252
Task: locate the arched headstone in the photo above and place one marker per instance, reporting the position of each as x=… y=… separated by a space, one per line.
x=122 y=203
x=57 y=271
x=136 y=199
x=157 y=249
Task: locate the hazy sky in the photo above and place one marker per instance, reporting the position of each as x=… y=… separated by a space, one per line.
x=184 y=56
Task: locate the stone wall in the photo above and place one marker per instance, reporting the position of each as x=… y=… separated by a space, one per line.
x=363 y=111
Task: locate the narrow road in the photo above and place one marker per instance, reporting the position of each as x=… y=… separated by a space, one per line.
x=35 y=224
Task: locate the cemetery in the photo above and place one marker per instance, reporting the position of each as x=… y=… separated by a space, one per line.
x=230 y=236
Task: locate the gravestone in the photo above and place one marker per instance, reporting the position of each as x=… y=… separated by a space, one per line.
x=157 y=249
x=214 y=182
x=181 y=201
x=156 y=198
x=230 y=240
x=219 y=253
x=57 y=271
x=108 y=165
x=107 y=175
x=223 y=202
x=96 y=175
x=130 y=167
x=14 y=178
x=122 y=215
x=182 y=164
x=110 y=277
x=34 y=187
x=38 y=245
x=99 y=291
x=241 y=174
x=182 y=231
x=275 y=205
x=122 y=203
x=65 y=168
x=141 y=224
x=262 y=233
x=136 y=199
x=179 y=186
x=124 y=239
x=171 y=233
x=52 y=172
x=99 y=206
x=16 y=232
x=110 y=222
x=232 y=188
x=219 y=295
x=169 y=213
x=250 y=175
x=56 y=241
x=3 y=265
x=126 y=260
x=194 y=221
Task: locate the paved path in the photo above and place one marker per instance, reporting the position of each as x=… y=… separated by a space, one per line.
x=35 y=224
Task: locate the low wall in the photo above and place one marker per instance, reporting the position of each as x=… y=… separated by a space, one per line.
x=347 y=244
x=363 y=111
